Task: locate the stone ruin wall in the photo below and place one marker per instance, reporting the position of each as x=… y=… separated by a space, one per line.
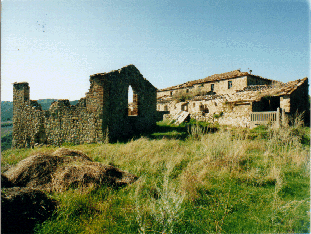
x=102 y=112
x=63 y=122
x=144 y=99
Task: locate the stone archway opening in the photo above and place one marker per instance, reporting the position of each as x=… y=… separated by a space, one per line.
x=132 y=102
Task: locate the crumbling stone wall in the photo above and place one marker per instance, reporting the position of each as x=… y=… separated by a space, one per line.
x=117 y=83
x=27 y=117
x=102 y=112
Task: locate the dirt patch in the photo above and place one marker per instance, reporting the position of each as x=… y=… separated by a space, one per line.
x=64 y=169
x=5 y=182
x=22 y=208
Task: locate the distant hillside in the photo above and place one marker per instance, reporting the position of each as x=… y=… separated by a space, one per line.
x=7 y=108
x=6 y=111
x=46 y=103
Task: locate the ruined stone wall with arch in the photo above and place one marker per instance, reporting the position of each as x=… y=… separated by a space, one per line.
x=102 y=112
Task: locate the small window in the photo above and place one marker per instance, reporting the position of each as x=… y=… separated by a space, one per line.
x=184 y=107
x=193 y=104
x=171 y=93
x=229 y=84
x=204 y=109
x=212 y=87
x=187 y=90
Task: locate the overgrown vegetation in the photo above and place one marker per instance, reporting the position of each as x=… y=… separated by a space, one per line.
x=228 y=181
x=217 y=116
x=183 y=95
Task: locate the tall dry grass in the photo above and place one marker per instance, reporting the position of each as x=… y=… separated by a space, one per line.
x=207 y=183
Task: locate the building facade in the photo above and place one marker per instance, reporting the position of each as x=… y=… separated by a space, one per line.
x=229 y=98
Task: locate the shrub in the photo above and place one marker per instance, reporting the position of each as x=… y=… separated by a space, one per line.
x=182 y=96
x=216 y=116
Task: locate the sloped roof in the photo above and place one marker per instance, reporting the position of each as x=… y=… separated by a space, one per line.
x=215 y=77
x=280 y=89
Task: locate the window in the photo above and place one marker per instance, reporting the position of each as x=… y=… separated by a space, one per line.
x=184 y=107
x=229 y=84
x=187 y=90
x=204 y=109
x=132 y=102
x=212 y=87
x=171 y=93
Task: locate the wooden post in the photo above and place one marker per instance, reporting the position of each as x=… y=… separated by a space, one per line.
x=278 y=117
x=283 y=118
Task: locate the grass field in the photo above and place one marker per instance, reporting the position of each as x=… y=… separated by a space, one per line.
x=193 y=181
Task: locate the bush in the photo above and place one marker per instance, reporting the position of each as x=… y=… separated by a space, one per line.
x=182 y=96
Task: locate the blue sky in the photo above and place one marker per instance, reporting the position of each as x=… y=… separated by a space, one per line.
x=57 y=45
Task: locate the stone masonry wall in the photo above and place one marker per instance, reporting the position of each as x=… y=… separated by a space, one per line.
x=297 y=101
x=255 y=81
x=214 y=110
x=103 y=112
x=119 y=122
x=61 y=123
x=220 y=86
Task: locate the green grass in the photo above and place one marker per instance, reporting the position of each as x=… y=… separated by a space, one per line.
x=228 y=181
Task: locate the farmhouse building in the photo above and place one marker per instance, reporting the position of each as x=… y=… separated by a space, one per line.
x=102 y=112
x=230 y=98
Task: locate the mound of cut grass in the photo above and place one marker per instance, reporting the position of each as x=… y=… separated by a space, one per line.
x=64 y=169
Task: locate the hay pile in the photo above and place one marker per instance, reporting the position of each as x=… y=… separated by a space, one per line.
x=65 y=169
